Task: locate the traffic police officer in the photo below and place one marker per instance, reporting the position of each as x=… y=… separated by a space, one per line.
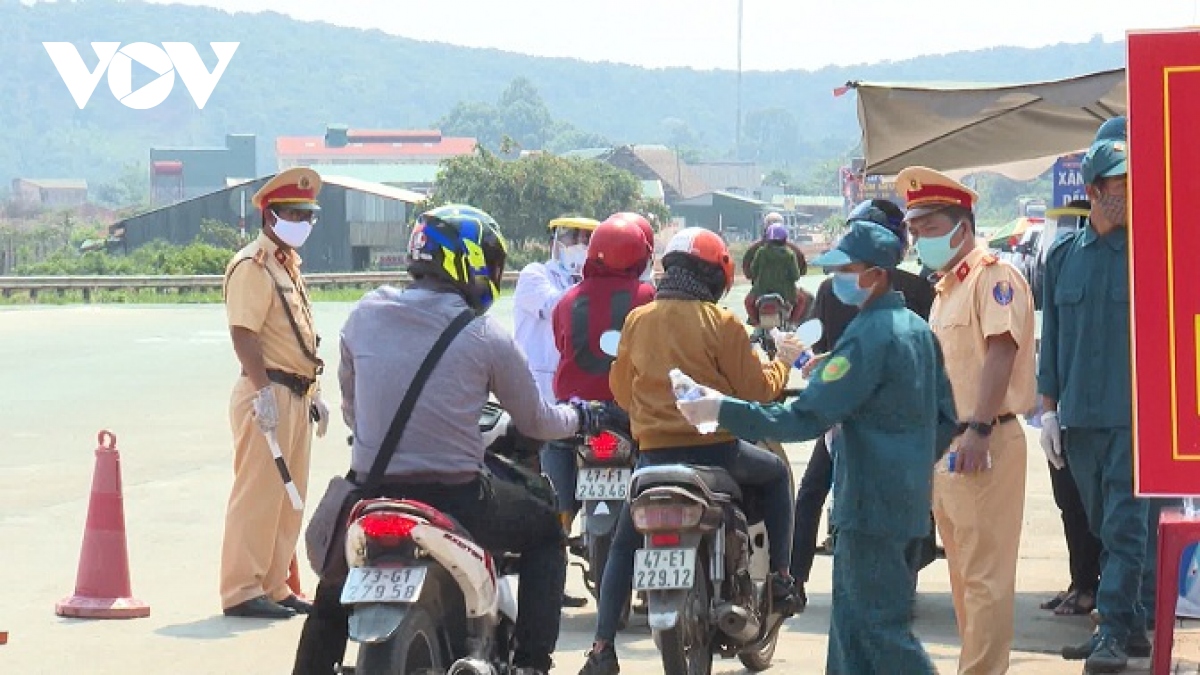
x=983 y=317
x=885 y=388
x=1084 y=380
x=271 y=324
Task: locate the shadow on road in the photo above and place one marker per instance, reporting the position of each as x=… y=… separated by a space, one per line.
x=215 y=627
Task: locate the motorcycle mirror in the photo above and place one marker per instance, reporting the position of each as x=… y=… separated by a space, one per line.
x=609 y=340
x=810 y=331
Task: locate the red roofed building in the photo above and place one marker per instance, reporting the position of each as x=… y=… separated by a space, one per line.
x=342 y=145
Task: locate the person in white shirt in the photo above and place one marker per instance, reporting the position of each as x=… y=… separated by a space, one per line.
x=539 y=288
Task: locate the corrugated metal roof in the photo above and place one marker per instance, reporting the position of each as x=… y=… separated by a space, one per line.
x=314 y=146
x=379 y=189
x=58 y=183
x=588 y=153
x=809 y=200
x=382 y=173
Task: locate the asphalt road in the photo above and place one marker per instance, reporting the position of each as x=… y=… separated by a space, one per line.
x=159 y=377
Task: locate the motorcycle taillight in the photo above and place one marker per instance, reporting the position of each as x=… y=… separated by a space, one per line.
x=387 y=528
x=604 y=446
x=655 y=517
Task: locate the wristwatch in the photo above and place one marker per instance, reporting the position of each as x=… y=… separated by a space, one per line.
x=981 y=428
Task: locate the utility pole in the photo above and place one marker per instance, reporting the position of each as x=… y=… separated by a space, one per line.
x=737 y=142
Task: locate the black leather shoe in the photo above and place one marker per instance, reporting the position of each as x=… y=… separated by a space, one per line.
x=573 y=602
x=296 y=604
x=260 y=608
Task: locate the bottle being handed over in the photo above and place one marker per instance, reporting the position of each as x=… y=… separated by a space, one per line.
x=686 y=389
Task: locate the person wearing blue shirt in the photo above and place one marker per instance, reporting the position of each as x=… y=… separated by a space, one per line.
x=1084 y=381
x=884 y=391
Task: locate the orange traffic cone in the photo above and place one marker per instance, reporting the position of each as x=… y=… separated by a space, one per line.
x=102 y=589
x=293 y=580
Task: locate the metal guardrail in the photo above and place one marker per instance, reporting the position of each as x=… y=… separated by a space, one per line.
x=187 y=283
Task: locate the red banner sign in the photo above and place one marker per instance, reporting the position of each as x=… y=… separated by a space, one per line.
x=1164 y=170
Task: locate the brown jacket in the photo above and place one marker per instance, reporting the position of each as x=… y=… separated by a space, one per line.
x=704 y=341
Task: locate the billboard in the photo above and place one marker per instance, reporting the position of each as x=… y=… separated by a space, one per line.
x=1164 y=240
x=1068 y=180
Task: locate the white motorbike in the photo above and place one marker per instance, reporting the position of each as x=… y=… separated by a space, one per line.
x=423 y=597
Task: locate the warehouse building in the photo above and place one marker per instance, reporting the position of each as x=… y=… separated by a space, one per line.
x=362 y=225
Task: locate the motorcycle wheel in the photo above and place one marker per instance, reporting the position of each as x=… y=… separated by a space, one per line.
x=597 y=559
x=415 y=649
x=687 y=648
x=758 y=658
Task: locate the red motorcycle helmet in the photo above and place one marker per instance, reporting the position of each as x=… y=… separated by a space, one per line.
x=619 y=243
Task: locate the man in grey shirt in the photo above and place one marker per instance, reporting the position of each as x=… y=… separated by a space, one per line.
x=440 y=457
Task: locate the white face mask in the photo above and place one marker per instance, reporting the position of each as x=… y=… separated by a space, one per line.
x=292 y=233
x=573 y=257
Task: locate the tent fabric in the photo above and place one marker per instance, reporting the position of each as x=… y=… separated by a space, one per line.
x=1009 y=128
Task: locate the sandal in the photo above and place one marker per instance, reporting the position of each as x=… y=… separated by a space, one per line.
x=1077 y=603
x=1057 y=600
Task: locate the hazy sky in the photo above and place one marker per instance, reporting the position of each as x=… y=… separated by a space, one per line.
x=778 y=34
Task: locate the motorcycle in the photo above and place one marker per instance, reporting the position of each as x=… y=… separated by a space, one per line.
x=773 y=312
x=423 y=597
x=703 y=568
x=605 y=465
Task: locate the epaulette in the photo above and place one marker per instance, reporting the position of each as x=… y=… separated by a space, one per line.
x=260 y=256
x=989 y=260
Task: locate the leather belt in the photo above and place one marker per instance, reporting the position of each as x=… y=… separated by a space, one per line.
x=299 y=385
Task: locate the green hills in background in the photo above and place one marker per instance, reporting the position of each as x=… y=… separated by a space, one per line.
x=292 y=78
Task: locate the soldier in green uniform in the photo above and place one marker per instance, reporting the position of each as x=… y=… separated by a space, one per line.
x=1084 y=380
x=885 y=391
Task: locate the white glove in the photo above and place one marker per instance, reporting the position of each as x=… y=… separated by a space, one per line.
x=788 y=348
x=266 y=412
x=320 y=413
x=1052 y=439
x=704 y=409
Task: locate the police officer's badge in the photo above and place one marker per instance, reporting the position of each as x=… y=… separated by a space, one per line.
x=1002 y=292
x=836 y=369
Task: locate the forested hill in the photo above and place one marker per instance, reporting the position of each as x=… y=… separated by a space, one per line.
x=291 y=78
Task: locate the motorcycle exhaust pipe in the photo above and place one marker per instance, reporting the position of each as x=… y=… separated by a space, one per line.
x=737 y=622
x=471 y=666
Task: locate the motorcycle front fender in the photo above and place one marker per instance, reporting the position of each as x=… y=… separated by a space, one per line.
x=376 y=623
x=602 y=523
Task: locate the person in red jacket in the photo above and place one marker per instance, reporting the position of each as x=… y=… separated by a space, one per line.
x=617 y=257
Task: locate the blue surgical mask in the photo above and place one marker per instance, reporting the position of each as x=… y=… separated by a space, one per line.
x=936 y=252
x=846 y=289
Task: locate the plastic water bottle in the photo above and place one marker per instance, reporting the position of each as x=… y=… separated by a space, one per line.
x=950 y=466
x=686 y=389
x=804 y=357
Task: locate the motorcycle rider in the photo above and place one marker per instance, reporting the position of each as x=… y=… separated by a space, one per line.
x=685 y=328
x=617 y=255
x=457 y=259
x=774 y=270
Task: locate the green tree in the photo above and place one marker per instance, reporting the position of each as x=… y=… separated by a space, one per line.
x=524 y=195
x=770 y=136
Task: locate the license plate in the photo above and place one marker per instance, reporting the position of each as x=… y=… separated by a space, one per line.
x=663 y=569
x=383 y=584
x=598 y=484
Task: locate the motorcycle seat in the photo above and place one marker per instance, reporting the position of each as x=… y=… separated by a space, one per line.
x=715 y=481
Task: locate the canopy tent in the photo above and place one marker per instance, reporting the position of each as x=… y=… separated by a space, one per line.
x=1017 y=130
x=1011 y=232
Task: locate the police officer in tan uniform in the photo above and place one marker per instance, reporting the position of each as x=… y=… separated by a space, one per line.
x=271 y=323
x=984 y=318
